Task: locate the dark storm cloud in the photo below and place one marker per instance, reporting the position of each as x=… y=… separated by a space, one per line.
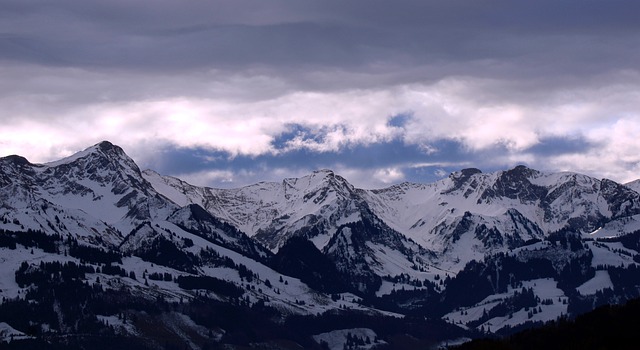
x=444 y=37
x=139 y=50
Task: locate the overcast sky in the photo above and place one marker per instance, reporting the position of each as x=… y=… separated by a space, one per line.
x=227 y=93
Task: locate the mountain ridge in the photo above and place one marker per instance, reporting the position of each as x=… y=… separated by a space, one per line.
x=523 y=240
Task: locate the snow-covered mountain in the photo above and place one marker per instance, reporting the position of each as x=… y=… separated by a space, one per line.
x=271 y=211
x=522 y=240
x=460 y=218
x=471 y=213
x=98 y=195
x=322 y=207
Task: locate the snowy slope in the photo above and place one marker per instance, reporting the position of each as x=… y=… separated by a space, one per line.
x=634 y=185
x=600 y=281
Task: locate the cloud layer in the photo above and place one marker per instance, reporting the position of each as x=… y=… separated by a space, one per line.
x=227 y=93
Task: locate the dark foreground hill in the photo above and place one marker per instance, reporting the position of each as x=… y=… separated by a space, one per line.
x=607 y=327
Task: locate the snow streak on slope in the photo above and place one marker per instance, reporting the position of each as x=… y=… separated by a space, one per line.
x=617 y=227
x=634 y=185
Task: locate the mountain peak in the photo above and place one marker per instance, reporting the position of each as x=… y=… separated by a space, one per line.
x=516 y=184
x=104 y=149
x=464 y=174
x=325 y=172
x=106 y=146
x=521 y=170
x=322 y=180
x=16 y=160
x=459 y=178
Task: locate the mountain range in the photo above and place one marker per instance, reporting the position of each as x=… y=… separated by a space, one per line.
x=153 y=261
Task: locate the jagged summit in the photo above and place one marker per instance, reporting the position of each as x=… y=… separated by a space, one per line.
x=460 y=178
x=327 y=172
x=466 y=172
x=15 y=160
x=105 y=151
x=522 y=171
x=105 y=145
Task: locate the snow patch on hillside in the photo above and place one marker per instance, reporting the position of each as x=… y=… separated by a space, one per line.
x=606 y=254
x=618 y=227
x=599 y=282
x=8 y=333
x=336 y=340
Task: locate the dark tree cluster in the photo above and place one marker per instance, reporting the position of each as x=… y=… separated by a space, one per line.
x=92 y=254
x=213 y=284
x=113 y=270
x=494 y=275
x=164 y=252
x=300 y=258
x=50 y=272
x=30 y=239
x=567 y=239
x=157 y=276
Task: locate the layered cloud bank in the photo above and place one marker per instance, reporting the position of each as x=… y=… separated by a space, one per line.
x=381 y=92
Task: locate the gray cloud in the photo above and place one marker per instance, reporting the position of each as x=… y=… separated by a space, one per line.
x=154 y=49
x=487 y=38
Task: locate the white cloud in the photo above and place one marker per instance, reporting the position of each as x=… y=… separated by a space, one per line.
x=617 y=156
x=440 y=173
x=476 y=112
x=204 y=178
x=389 y=175
x=370 y=178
